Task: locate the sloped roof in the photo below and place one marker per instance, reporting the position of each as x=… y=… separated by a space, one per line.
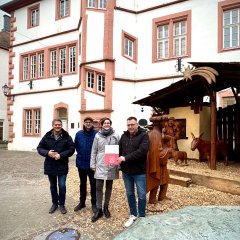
x=183 y=93
x=16 y=4
x=4 y=40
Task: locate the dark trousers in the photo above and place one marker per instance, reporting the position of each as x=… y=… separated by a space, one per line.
x=58 y=194
x=108 y=192
x=83 y=174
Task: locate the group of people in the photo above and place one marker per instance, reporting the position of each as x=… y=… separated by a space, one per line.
x=57 y=146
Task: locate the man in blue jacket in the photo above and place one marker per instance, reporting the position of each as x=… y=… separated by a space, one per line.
x=83 y=144
x=56 y=146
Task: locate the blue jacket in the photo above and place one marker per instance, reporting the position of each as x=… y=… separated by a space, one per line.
x=64 y=146
x=83 y=144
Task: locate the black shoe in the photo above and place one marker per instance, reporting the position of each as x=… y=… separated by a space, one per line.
x=98 y=214
x=94 y=208
x=53 y=208
x=106 y=211
x=63 y=210
x=79 y=207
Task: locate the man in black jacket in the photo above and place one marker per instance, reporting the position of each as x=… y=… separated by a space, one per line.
x=56 y=146
x=133 y=149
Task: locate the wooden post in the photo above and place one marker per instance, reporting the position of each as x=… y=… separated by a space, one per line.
x=212 y=162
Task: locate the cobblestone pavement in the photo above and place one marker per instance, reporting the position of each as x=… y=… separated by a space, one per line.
x=25 y=199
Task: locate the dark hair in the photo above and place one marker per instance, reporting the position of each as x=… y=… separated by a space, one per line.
x=56 y=120
x=104 y=119
x=132 y=118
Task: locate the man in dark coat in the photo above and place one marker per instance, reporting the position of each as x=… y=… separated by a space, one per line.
x=133 y=149
x=83 y=144
x=56 y=146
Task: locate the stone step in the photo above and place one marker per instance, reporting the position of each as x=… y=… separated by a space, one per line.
x=182 y=181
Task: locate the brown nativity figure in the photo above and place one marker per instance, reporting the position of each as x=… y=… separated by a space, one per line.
x=157 y=175
x=170 y=134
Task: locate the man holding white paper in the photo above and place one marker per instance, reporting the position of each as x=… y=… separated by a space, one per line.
x=133 y=149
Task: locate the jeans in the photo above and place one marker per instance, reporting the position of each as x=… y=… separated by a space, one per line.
x=58 y=198
x=99 y=192
x=83 y=173
x=140 y=181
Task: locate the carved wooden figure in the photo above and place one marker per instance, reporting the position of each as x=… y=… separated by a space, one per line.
x=204 y=148
x=179 y=155
x=157 y=174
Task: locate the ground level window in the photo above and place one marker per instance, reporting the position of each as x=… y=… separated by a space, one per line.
x=32 y=122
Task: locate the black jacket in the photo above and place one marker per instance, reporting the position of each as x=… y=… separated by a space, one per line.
x=135 y=151
x=64 y=146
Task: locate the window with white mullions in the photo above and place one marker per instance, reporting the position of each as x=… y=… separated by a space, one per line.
x=163 y=41
x=128 y=47
x=63 y=8
x=101 y=83
x=25 y=68
x=53 y=63
x=37 y=122
x=32 y=118
x=72 y=59
x=41 y=65
x=34 y=17
x=33 y=66
x=91 y=3
x=102 y=3
x=231 y=28
x=90 y=80
x=180 y=38
x=62 y=59
x=28 y=122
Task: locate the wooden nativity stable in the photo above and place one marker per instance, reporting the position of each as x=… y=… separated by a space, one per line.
x=199 y=82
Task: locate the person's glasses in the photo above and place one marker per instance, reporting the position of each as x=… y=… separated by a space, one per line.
x=106 y=123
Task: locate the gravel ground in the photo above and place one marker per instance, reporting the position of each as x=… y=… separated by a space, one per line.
x=26 y=168
x=180 y=197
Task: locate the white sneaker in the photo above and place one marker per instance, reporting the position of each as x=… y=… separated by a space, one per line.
x=130 y=221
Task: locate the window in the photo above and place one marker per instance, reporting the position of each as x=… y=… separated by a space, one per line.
x=33 y=16
x=163 y=41
x=62 y=60
x=63 y=8
x=96 y=81
x=90 y=80
x=172 y=36
x=32 y=66
x=102 y=3
x=227 y=101
x=101 y=83
x=25 y=68
x=229 y=25
x=32 y=122
x=129 y=46
x=41 y=65
x=72 y=59
x=91 y=3
x=53 y=63
x=180 y=38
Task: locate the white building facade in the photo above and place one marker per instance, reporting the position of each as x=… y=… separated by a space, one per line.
x=70 y=59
